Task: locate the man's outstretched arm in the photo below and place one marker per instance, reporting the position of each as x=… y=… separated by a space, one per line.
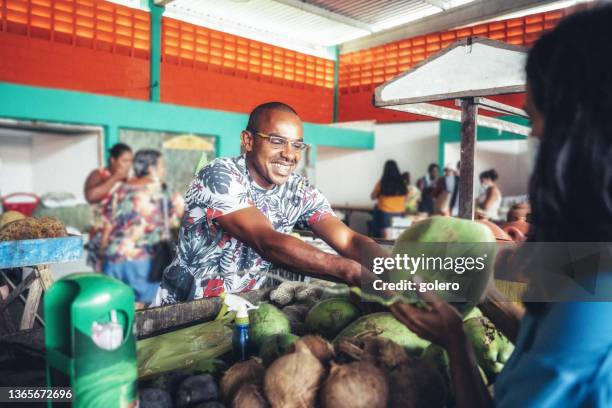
x=347 y=242
x=250 y=226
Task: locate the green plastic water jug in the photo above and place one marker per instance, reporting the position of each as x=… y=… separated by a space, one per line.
x=90 y=342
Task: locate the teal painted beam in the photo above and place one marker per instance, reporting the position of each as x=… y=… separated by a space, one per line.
x=323 y=135
x=156 y=13
x=450 y=132
x=55 y=105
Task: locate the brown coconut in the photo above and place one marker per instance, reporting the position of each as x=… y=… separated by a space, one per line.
x=418 y=384
x=321 y=348
x=249 y=396
x=377 y=350
x=383 y=352
x=355 y=385
x=292 y=380
x=244 y=372
x=296 y=314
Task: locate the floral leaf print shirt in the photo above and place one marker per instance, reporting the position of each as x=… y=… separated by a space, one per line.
x=135 y=215
x=209 y=261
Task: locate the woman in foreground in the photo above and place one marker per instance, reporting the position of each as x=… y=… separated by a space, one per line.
x=563 y=354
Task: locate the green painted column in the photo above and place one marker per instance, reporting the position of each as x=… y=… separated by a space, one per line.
x=336 y=79
x=155 y=51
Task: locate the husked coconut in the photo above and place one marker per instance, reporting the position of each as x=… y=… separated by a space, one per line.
x=355 y=385
x=244 y=372
x=382 y=352
x=249 y=396
x=418 y=384
x=321 y=348
x=292 y=380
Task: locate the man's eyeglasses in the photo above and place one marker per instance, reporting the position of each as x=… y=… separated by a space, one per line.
x=279 y=142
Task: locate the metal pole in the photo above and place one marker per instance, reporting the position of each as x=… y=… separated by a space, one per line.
x=469 y=114
x=336 y=79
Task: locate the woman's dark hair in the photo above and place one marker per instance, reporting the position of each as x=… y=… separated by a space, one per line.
x=431 y=167
x=569 y=74
x=570 y=81
x=118 y=149
x=392 y=183
x=489 y=174
x=143 y=160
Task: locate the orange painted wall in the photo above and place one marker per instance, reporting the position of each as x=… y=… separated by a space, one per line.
x=214 y=90
x=100 y=47
x=33 y=61
x=209 y=69
x=362 y=71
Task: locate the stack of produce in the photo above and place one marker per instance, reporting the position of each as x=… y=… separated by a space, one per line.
x=315 y=347
x=15 y=226
x=345 y=359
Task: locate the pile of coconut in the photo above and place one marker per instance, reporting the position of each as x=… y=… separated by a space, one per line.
x=314 y=347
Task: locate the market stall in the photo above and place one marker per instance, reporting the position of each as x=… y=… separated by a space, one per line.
x=466 y=72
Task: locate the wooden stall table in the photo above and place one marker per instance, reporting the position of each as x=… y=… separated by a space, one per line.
x=39 y=254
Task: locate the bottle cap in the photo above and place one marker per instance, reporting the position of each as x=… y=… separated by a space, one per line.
x=242 y=316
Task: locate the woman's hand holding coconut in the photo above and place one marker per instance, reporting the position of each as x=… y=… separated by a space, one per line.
x=442 y=324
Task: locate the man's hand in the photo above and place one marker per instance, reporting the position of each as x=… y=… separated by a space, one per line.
x=353 y=245
x=442 y=324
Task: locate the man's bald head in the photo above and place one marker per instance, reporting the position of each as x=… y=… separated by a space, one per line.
x=261 y=112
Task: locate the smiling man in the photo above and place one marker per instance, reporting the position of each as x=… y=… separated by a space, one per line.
x=240 y=211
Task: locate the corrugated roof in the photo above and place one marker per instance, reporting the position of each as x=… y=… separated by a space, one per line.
x=308 y=26
x=271 y=17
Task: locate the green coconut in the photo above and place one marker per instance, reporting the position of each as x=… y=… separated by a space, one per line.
x=276 y=346
x=427 y=239
x=266 y=321
x=338 y=291
x=436 y=356
x=385 y=325
x=491 y=347
x=330 y=316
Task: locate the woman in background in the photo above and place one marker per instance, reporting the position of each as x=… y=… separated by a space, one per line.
x=413 y=197
x=99 y=186
x=490 y=199
x=136 y=218
x=390 y=193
